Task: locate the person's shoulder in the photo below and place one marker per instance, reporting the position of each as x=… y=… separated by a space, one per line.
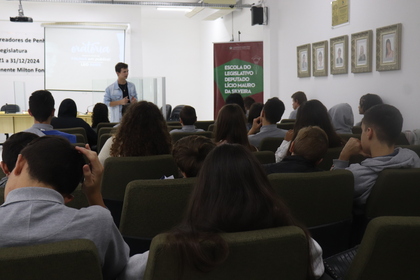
x=96 y=213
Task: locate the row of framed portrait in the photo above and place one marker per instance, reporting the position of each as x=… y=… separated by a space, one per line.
x=388 y=53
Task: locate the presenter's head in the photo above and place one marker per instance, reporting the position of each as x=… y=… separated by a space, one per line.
x=121 y=69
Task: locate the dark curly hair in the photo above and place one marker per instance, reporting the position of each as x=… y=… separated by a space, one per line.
x=142 y=132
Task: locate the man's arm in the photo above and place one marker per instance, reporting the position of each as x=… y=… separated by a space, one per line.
x=93 y=171
x=108 y=101
x=256 y=125
x=119 y=102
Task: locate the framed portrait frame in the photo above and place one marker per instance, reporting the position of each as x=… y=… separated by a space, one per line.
x=388 y=47
x=339 y=54
x=361 y=52
x=304 y=61
x=320 y=58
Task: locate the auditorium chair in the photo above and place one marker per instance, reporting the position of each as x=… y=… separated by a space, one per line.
x=105 y=124
x=65 y=260
x=76 y=131
x=204 y=125
x=178 y=135
x=390 y=249
x=151 y=207
x=286 y=125
x=265 y=157
x=271 y=143
x=119 y=171
x=101 y=141
x=322 y=201
x=276 y=253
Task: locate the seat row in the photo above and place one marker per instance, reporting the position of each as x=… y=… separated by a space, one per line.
x=276 y=253
x=322 y=201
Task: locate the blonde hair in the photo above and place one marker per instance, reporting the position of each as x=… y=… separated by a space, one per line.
x=311 y=143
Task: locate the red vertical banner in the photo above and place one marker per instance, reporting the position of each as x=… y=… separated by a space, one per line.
x=238 y=68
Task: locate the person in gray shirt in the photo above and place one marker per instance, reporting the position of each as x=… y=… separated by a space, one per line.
x=47 y=171
x=266 y=123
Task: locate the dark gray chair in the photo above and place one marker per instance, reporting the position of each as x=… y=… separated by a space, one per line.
x=323 y=202
x=276 y=253
x=65 y=260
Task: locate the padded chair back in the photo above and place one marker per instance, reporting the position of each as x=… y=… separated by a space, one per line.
x=265 y=157
x=168 y=109
x=286 y=125
x=203 y=124
x=287 y=121
x=10 y=108
x=119 y=171
x=154 y=206
x=211 y=127
x=277 y=253
x=2 y=173
x=104 y=124
x=65 y=260
x=271 y=143
x=390 y=250
x=172 y=127
x=175 y=113
x=327 y=161
x=178 y=135
x=75 y=131
x=106 y=129
x=322 y=201
x=395 y=193
x=101 y=141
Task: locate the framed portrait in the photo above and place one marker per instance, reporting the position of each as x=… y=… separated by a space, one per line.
x=320 y=58
x=361 y=52
x=339 y=54
x=304 y=61
x=388 y=47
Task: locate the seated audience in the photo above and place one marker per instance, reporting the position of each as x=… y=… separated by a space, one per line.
x=307 y=151
x=271 y=114
x=236 y=98
x=99 y=115
x=190 y=152
x=67 y=118
x=187 y=118
x=381 y=127
x=142 y=132
x=47 y=171
x=230 y=127
x=367 y=101
x=254 y=112
x=232 y=194
x=298 y=98
x=248 y=101
x=11 y=150
x=313 y=113
x=41 y=108
x=342 y=118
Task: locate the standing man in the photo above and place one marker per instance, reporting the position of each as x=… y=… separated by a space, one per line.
x=120 y=94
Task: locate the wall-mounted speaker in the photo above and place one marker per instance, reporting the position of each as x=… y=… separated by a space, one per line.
x=258 y=15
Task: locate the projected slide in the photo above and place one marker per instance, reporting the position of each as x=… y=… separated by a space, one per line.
x=75 y=57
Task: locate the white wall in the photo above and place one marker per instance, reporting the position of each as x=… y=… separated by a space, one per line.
x=161 y=44
x=181 y=49
x=59 y=12
x=307 y=21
